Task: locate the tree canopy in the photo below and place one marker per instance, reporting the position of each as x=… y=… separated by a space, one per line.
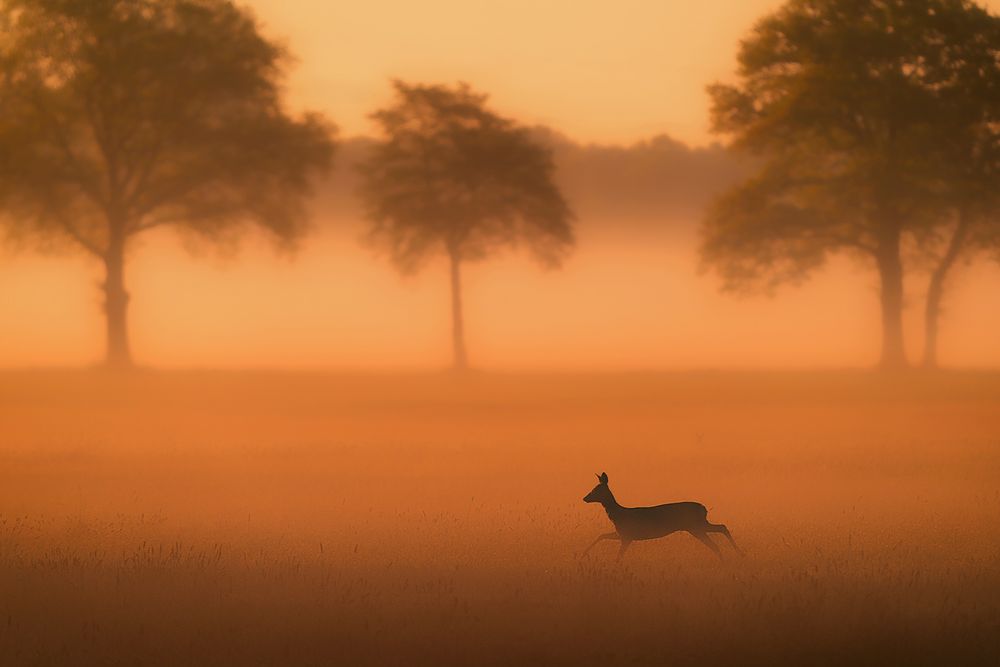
x=452 y=175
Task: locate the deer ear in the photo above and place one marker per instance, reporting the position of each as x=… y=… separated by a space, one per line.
x=603 y=477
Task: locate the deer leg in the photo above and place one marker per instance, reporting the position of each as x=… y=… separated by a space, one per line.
x=707 y=541
x=605 y=536
x=624 y=546
x=720 y=528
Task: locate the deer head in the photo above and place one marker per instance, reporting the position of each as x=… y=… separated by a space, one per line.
x=601 y=493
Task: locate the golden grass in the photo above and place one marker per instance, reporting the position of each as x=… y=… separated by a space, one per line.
x=267 y=518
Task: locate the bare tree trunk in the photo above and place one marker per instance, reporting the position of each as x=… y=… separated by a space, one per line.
x=118 y=354
x=935 y=290
x=890 y=269
x=460 y=359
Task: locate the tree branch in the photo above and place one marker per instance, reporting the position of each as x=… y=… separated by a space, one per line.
x=75 y=234
x=74 y=163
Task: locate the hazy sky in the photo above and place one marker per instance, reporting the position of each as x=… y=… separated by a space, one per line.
x=600 y=71
x=597 y=70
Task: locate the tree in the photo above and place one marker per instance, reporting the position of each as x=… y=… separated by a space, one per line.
x=968 y=161
x=840 y=101
x=452 y=176
x=120 y=116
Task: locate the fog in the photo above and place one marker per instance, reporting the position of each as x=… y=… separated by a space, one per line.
x=631 y=296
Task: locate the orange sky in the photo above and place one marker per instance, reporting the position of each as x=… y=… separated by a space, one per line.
x=608 y=72
x=597 y=70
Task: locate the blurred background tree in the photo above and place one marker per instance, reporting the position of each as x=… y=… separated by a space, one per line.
x=848 y=104
x=967 y=160
x=452 y=176
x=120 y=116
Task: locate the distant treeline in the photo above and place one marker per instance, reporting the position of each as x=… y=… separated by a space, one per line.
x=658 y=185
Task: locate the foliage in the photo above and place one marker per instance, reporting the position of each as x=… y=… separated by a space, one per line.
x=452 y=175
x=850 y=103
x=123 y=115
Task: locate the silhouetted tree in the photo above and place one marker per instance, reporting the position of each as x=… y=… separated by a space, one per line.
x=967 y=158
x=452 y=176
x=120 y=116
x=842 y=101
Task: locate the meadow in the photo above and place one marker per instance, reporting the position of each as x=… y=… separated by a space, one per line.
x=245 y=518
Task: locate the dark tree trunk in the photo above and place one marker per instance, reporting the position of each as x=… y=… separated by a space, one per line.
x=935 y=290
x=459 y=358
x=118 y=354
x=890 y=270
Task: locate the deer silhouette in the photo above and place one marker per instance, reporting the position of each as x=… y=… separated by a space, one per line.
x=649 y=523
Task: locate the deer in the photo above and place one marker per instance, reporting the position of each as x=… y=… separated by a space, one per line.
x=648 y=523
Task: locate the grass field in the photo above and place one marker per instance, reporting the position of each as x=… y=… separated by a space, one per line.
x=297 y=519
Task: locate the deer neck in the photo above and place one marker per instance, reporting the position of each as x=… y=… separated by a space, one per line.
x=611 y=505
